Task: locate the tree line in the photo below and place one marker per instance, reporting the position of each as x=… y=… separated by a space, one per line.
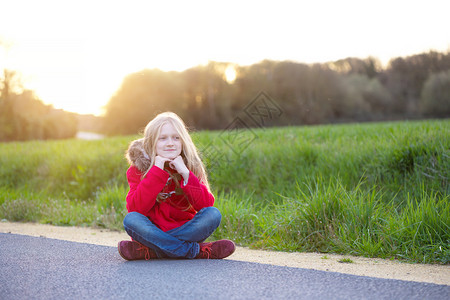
x=23 y=116
x=347 y=90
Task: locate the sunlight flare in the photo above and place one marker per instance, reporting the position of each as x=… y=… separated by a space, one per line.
x=230 y=74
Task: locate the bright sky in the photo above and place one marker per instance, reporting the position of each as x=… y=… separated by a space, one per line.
x=75 y=54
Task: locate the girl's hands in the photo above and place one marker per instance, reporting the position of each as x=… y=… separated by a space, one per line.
x=159 y=161
x=176 y=164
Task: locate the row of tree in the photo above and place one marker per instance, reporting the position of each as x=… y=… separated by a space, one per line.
x=25 y=117
x=346 y=90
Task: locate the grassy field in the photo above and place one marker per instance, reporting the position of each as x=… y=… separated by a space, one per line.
x=378 y=190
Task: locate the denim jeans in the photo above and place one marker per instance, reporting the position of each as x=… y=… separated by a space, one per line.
x=180 y=242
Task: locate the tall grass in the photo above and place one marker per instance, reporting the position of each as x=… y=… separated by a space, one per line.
x=365 y=189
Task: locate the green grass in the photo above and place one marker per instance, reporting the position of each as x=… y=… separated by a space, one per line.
x=377 y=190
x=346 y=261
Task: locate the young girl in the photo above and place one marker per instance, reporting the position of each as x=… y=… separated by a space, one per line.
x=170 y=205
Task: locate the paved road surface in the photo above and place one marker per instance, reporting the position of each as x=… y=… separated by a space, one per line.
x=42 y=268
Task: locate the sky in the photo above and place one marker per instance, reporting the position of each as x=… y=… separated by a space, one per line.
x=75 y=54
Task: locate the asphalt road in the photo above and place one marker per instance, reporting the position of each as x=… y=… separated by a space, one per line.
x=42 y=268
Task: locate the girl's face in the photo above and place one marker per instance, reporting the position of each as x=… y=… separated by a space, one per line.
x=168 y=144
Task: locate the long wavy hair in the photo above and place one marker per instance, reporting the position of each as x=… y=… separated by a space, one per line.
x=189 y=152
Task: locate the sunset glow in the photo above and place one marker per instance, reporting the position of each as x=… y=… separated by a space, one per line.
x=230 y=74
x=76 y=54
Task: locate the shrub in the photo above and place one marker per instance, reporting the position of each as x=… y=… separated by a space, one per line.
x=435 y=98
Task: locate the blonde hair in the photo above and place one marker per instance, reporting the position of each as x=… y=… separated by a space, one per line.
x=189 y=151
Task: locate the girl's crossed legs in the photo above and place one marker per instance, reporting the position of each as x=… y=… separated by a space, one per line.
x=181 y=242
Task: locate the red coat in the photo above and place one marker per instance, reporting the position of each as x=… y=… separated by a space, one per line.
x=172 y=212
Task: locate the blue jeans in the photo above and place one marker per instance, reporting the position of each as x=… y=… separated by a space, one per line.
x=180 y=242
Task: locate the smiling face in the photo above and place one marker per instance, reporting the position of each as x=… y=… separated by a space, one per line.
x=169 y=143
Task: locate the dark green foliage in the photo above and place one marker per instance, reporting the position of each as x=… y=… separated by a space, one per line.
x=404 y=159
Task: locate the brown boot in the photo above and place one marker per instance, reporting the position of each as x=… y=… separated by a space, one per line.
x=131 y=250
x=216 y=250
